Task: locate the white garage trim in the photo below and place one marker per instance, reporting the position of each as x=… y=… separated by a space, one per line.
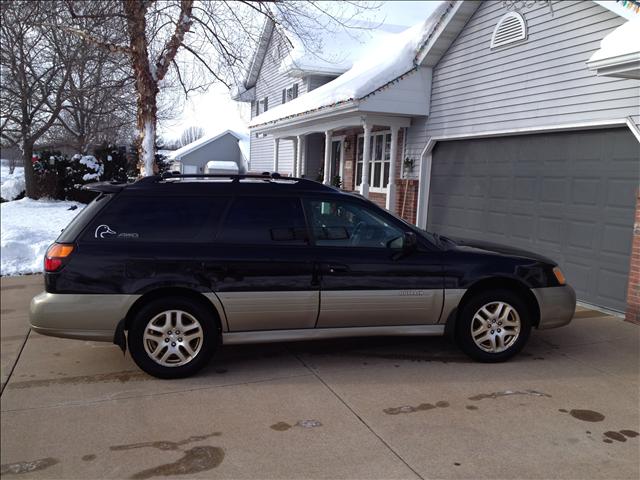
x=424 y=183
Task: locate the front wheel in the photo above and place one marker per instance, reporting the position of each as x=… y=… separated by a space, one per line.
x=493 y=326
x=172 y=337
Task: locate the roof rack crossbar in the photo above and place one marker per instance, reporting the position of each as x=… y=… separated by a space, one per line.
x=269 y=176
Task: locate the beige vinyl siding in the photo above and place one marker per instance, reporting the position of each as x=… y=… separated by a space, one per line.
x=542 y=81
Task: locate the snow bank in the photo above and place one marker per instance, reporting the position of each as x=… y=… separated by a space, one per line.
x=28 y=228
x=11 y=184
x=387 y=57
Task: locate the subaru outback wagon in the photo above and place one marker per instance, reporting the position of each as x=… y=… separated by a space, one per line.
x=174 y=266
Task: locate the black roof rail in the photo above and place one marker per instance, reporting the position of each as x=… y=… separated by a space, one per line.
x=237 y=177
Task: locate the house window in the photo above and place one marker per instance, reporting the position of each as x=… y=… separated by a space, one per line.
x=511 y=28
x=290 y=93
x=262 y=106
x=380 y=144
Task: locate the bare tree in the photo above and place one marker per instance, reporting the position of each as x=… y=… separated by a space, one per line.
x=191 y=134
x=193 y=43
x=35 y=64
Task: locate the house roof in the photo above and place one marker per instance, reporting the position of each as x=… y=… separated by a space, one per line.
x=207 y=139
x=382 y=65
x=619 y=52
x=330 y=57
x=385 y=61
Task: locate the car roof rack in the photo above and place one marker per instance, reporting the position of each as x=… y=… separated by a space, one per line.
x=236 y=178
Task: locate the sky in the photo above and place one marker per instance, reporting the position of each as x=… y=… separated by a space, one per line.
x=214 y=110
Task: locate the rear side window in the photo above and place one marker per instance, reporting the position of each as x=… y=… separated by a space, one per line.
x=157 y=219
x=71 y=232
x=264 y=221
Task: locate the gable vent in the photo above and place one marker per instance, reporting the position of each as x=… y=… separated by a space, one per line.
x=511 y=28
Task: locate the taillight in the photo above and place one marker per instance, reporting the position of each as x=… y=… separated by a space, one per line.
x=56 y=256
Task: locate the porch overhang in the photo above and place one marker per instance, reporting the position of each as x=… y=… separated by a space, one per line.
x=349 y=118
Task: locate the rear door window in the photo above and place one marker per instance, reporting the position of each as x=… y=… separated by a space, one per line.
x=264 y=221
x=158 y=219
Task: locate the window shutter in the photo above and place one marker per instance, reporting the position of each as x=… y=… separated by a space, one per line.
x=295 y=90
x=511 y=28
x=266 y=103
x=284 y=95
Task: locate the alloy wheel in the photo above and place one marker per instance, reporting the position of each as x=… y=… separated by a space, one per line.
x=495 y=327
x=173 y=338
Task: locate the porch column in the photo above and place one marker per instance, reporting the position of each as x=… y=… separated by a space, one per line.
x=327 y=157
x=300 y=157
x=366 y=158
x=294 y=162
x=391 y=187
x=276 y=153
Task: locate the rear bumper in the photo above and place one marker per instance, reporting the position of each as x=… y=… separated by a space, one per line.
x=85 y=317
x=557 y=306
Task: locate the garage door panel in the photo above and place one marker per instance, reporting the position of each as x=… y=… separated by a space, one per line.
x=585 y=191
x=581 y=235
x=569 y=196
x=619 y=190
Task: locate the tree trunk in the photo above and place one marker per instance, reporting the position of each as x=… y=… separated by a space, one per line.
x=146 y=84
x=31 y=187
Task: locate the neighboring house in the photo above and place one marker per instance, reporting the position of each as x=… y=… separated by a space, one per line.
x=213 y=154
x=483 y=122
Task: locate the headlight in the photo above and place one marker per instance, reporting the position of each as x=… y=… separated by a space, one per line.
x=559 y=276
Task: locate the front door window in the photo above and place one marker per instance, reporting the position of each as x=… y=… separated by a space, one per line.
x=347 y=224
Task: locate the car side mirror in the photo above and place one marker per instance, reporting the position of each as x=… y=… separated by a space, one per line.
x=410 y=243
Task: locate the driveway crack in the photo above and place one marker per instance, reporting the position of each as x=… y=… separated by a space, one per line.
x=4 y=385
x=341 y=400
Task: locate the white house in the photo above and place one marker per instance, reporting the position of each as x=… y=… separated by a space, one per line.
x=491 y=120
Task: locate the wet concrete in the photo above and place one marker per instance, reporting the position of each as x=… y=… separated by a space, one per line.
x=194 y=460
x=380 y=408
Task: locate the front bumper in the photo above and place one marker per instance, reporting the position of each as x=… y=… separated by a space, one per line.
x=557 y=306
x=85 y=317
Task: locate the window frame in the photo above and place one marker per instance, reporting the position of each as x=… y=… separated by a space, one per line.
x=381 y=162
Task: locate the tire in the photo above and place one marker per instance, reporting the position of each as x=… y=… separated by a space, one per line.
x=178 y=353
x=499 y=333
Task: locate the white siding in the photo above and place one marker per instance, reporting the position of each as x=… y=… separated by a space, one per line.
x=270 y=84
x=542 y=81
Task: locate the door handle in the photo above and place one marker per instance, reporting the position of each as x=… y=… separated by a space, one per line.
x=338 y=268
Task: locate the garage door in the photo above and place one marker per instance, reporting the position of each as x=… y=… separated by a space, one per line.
x=569 y=196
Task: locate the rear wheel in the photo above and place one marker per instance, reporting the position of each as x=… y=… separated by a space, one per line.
x=493 y=326
x=172 y=337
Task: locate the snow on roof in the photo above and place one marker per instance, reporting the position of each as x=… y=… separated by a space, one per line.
x=623 y=41
x=179 y=153
x=386 y=58
x=328 y=55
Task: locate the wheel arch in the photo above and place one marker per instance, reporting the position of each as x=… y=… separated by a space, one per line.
x=493 y=283
x=163 y=292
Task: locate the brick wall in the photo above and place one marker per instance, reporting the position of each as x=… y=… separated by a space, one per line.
x=633 y=289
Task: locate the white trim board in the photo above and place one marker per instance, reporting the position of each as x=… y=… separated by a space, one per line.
x=424 y=183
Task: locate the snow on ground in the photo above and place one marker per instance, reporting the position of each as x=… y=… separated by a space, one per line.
x=11 y=184
x=28 y=228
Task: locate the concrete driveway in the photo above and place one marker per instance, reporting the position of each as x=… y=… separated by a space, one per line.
x=567 y=407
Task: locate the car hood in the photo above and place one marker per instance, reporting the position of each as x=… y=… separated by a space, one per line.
x=489 y=247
